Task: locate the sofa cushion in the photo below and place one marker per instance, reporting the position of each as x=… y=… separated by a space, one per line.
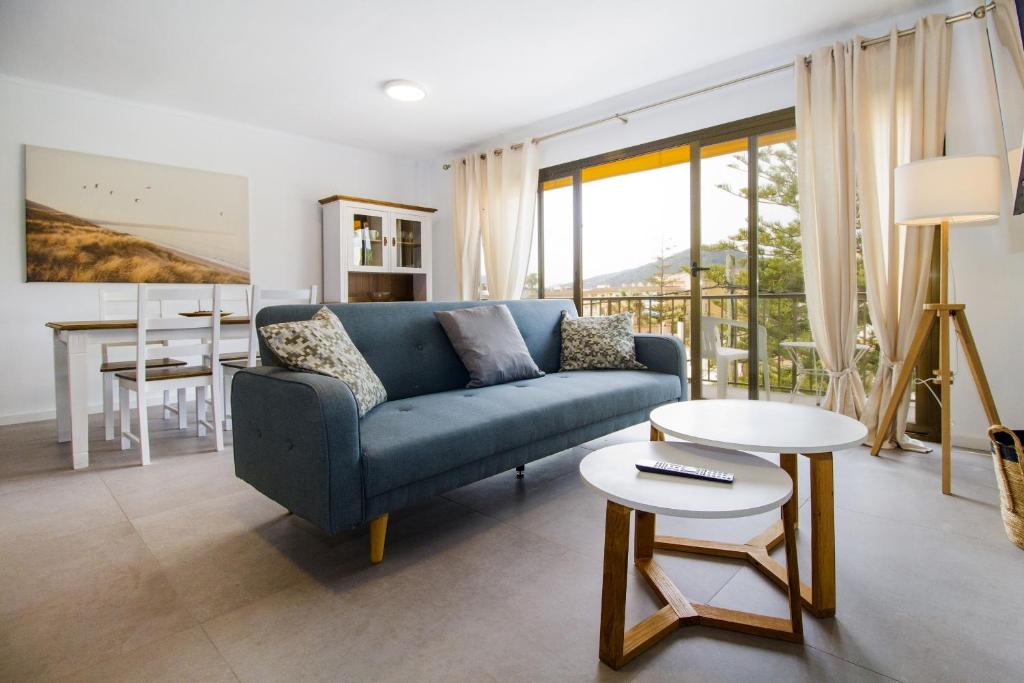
x=599 y=343
x=322 y=345
x=489 y=345
x=414 y=438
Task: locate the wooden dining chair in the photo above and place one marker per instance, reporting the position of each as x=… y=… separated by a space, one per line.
x=120 y=304
x=201 y=377
x=235 y=301
x=260 y=298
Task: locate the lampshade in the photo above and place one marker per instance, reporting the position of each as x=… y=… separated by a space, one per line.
x=957 y=189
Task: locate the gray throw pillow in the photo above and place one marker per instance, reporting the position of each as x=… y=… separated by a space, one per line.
x=322 y=345
x=602 y=343
x=489 y=344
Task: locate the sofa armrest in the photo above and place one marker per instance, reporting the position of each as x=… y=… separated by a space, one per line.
x=296 y=439
x=664 y=353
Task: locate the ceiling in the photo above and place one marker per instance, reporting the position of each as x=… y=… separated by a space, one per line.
x=315 y=67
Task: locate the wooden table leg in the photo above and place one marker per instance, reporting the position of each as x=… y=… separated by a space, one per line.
x=789 y=514
x=656 y=435
x=613 y=591
x=787 y=461
x=643 y=536
x=617 y=646
x=823 y=536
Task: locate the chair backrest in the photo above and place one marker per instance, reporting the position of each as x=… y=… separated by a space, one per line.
x=122 y=304
x=205 y=329
x=117 y=304
x=234 y=299
x=710 y=336
x=710 y=325
x=273 y=297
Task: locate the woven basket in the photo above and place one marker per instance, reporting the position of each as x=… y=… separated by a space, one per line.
x=1008 y=458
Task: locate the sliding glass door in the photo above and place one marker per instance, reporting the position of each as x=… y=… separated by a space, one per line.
x=722 y=349
x=663 y=231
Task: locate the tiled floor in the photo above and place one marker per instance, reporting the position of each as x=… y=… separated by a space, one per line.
x=179 y=571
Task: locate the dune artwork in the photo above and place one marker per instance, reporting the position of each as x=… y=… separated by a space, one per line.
x=91 y=218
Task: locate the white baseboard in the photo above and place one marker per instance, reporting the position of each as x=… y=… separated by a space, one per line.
x=94 y=409
x=970 y=441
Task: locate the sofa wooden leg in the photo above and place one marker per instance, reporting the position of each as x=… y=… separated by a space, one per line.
x=520 y=471
x=378 y=531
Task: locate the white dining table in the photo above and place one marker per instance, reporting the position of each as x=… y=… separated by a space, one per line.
x=71 y=371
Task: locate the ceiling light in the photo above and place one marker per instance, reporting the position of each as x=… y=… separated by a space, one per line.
x=404 y=91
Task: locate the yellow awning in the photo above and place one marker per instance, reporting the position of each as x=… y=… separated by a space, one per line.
x=666 y=157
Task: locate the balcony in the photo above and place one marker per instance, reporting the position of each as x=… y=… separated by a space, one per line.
x=783 y=316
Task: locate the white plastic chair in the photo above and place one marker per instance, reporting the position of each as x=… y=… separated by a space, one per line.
x=725 y=356
x=260 y=298
x=180 y=378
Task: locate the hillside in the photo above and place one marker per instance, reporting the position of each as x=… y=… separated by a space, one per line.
x=674 y=263
x=65 y=248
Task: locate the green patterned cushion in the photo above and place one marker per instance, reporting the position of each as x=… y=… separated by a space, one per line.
x=599 y=343
x=322 y=345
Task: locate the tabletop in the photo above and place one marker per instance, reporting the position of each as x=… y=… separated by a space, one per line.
x=811 y=345
x=765 y=426
x=759 y=485
x=80 y=325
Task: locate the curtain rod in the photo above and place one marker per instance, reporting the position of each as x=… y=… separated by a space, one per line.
x=977 y=13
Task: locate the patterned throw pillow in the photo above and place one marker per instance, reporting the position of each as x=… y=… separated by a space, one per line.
x=322 y=345
x=599 y=343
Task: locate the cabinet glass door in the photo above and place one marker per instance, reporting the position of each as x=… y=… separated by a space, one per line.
x=368 y=240
x=409 y=243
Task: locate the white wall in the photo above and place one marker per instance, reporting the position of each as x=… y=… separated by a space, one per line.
x=988 y=263
x=986 y=260
x=287 y=175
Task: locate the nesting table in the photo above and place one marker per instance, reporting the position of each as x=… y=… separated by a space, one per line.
x=767 y=427
x=760 y=486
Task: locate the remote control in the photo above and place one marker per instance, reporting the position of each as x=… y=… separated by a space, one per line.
x=658 y=467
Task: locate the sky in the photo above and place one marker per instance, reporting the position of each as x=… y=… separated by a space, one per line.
x=628 y=218
x=201 y=213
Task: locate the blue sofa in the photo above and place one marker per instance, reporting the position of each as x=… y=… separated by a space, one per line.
x=298 y=438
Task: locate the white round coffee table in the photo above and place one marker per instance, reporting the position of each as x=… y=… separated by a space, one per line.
x=759 y=426
x=759 y=486
x=780 y=428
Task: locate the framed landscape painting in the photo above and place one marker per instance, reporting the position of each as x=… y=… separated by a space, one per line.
x=91 y=218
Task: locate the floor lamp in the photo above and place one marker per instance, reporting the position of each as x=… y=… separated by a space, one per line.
x=943 y=191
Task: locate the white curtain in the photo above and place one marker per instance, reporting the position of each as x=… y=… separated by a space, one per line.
x=900 y=91
x=495 y=199
x=828 y=218
x=467 y=176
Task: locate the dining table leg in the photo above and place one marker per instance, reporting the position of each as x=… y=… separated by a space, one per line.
x=60 y=388
x=71 y=381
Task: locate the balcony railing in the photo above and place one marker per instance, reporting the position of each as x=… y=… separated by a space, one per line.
x=783 y=315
